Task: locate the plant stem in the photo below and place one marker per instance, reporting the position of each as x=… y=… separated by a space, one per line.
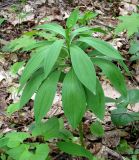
x=81 y=133
x=68 y=39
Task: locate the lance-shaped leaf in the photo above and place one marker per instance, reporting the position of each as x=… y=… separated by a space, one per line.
x=71 y=21
x=113 y=74
x=52 y=56
x=75 y=150
x=31 y=87
x=53 y=27
x=102 y=46
x=73 y=99
x=79 y=31
x=32 y=65
x=83 y=68
x=96 y=103
x=45 y=95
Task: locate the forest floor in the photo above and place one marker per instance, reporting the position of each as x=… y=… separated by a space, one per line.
x=22 y=17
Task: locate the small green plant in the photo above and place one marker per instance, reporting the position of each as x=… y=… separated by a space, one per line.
x=125 y=148
x=68 y=56
x=14 y=146
x=134 y=48
x=121 y=116
x=126 y=22
x=132 y=32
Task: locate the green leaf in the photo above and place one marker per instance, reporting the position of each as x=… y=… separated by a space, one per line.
x=3 y=142
x=45 y=95
x=110 y=100
x=102 y=46
x=42 y=151
x=2 y=20
x=20 y=153
x=73 y=18
x=133 y=95
x=52 y=27
x=135 y=57
x=99 y=29
x=15 y=138
x=24 y=43
x=52 y=56
x=79 y=31
x=113 y=74
x=13 y=108
x=86 y=17
x=31 y=87
x=33 y=64
x=65 y=134
x=73 y=99
x=123 y=65
x=49 y=129
x=97 y=129
x=132 y=98
x=74 y=149
x=121 y=116
x=82 y=45
x=16 y=66
x=126 y=22
x=83 y=66
x=96 y=103
x=124 y=147
x=134 y=47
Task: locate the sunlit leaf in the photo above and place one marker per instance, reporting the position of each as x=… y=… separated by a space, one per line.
x=20 y=153
x=15 y=138
x=16 y=66
x=13 y=108
x=41 y=153
x=53 y=27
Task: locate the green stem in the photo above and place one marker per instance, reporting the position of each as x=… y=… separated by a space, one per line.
x=68 y=39
x=81 y=133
